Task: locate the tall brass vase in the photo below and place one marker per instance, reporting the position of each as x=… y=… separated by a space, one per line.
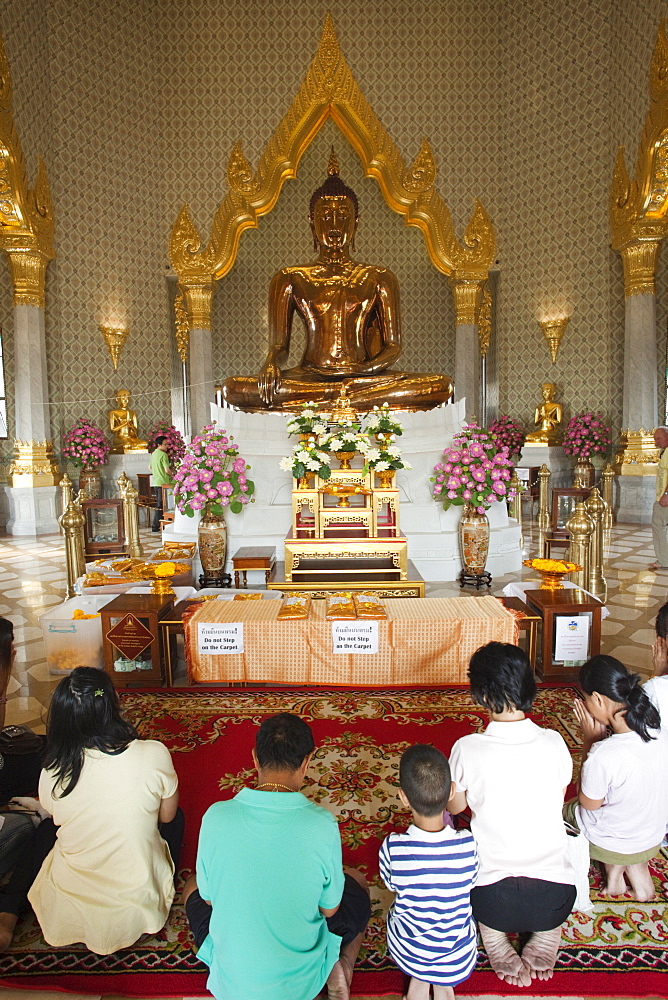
x=91 y=483
x=473 y=540
x=584 y=473
x=212 y=541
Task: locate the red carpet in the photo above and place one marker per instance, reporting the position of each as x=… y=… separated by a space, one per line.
x=619 y=950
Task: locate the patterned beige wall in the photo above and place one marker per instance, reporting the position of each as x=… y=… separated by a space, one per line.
x=135 y=105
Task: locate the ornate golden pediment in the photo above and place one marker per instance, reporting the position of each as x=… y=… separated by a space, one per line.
x=639 y=205
x=329 y=90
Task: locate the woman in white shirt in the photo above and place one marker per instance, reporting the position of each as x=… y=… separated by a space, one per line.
x=110 y=875
x=656 y=688
x=623 y=800
x=513 y=777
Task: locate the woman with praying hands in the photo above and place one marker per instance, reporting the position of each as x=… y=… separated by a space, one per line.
x=109 y=877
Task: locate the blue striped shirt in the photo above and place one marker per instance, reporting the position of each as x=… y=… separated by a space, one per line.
x=431 y=933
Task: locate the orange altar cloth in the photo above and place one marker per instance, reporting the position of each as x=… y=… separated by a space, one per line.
x=426 y=641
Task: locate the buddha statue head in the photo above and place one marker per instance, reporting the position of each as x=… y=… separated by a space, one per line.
x=333 y=211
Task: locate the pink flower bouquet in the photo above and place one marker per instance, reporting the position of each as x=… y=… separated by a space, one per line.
x=176 y=446
x=509 y=433
x=474 y=470
x=85 y=445
x=586 y=434
x=212 y=475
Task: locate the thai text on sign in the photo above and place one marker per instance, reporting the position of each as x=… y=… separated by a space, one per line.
x=354 y=637
x=219 y=639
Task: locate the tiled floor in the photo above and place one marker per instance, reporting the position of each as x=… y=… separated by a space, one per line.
x=32 y=580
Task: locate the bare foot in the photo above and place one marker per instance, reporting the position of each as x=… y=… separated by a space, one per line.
x=503 y=958
x=7 y=925
x=655 y=566
x=417 y=990
x=540 y=953
x=443 y=993
x=337 y=984
x=641 y=881
x=614 y=880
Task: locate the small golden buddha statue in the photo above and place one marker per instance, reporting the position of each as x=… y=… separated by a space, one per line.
x=350 y=313
x=123 y=424
x=548 y=416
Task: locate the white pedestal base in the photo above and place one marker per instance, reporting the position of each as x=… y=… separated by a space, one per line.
x=33 y=510
x=560 y=465
x=636 y=496
x=431 y=532
x=130 y=464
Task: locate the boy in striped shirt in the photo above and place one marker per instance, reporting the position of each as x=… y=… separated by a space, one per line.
x=431 y=934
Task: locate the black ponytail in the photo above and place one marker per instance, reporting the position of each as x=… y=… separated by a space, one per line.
x=609 y=677
x=661 y=623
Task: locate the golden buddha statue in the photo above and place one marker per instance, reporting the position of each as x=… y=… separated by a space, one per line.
x=123 y=424
x=350 y=313
x=548 y=416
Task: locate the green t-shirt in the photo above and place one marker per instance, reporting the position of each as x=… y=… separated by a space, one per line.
x=159 y=462
x=267 y=861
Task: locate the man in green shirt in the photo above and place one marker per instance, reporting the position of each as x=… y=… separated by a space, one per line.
x=271 y=911
x=160 y=476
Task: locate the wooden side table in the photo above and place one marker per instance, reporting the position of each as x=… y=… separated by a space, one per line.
x=171 y=626
x=253 y=557
x=529 y=623
x=553 y=605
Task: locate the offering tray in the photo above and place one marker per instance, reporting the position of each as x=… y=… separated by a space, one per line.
x=344 y=491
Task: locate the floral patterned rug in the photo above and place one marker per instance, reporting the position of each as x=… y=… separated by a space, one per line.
x=360 y=736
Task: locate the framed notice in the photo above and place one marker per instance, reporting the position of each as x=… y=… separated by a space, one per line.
x=571 y=639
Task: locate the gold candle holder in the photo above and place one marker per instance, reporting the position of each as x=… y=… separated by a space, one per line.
x=553 y=331
x=114 y=338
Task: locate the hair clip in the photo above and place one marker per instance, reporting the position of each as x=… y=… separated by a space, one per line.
x=99 y=693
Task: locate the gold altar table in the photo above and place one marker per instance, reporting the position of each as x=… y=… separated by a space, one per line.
x=426 y=641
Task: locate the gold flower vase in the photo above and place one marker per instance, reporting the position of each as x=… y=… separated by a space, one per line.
x=345 y=458
x=584 y=473
x=473 y=540
x=386 y=479
x=304 y=482
x=90 y=483
x=212 y=541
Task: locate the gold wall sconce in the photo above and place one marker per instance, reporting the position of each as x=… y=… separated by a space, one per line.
x=553 y=330
x=114 y=338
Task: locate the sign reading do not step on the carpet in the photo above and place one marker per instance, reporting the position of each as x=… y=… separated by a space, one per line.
x=215 y=640
x=354 y=637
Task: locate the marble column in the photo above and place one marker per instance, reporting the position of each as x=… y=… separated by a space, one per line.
x=635 y=465
x=32 y=493
x=468 y=298
x=199 y=299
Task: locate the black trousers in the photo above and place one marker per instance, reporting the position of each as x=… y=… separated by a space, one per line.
x=14 y=899
x=157 y=513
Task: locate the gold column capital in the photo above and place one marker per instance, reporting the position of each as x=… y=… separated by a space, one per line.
x=637 y=454
x=28 y=270
x=199 y=300
x=468 y=293
x=34 y=464
x=639 y=259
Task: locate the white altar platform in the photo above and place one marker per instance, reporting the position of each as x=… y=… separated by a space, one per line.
x=433 y=544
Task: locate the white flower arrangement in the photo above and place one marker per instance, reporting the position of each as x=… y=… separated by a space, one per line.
x=307 y=421
x=380 y=421
x=307 y=458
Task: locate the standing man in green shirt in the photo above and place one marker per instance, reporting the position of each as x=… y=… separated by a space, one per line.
x=271 y=910
x=160 y=476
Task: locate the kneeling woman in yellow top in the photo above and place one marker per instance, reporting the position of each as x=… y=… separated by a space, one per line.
x=109 y=877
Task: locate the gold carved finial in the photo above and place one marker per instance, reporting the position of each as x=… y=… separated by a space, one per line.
x=553 y=330
x=114 y=338
x=333 y=165
x=639 y=205
x=26 y=214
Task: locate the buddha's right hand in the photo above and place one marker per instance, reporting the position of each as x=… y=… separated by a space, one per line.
x=269 y=382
